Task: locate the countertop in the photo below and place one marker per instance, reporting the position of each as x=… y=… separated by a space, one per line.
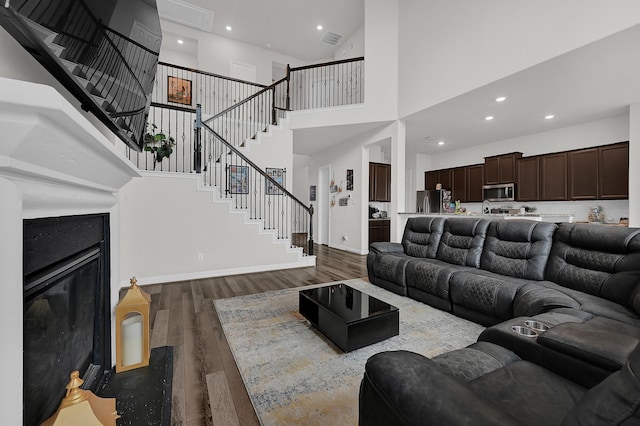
x=540 y=217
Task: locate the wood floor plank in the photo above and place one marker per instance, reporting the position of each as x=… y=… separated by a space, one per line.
x=198 y=296
x=178 y=401
x=184 y=316
x=223 y=411
x=160 y=329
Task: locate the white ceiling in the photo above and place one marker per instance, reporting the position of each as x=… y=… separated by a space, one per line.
x=596 y=81
x=284 y=26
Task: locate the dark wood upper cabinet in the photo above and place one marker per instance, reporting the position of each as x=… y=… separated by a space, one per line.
x=553 y=177
x=379 y=182
x=528 y=179
x=501 y=168
x=613 y=181
x=583 y=174
x=459 y=184
x=475 y=181
x=433 y=177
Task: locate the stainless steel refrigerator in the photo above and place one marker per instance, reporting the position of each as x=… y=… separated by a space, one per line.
x=430 y=201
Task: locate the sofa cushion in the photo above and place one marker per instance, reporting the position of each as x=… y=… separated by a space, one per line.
x=475 y=360
x=614 y=401
x=530 y=393
x=427 y=280
x=422 y=236
x=533 y=299
x=391 y=267
x=462 y=241
x=486 y=292
x=600 y=260
x=597 y=306
x=518 y=248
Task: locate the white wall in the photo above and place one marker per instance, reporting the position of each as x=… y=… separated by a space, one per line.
x=165 y=223
x=352 y=47
x=380 y=75
x=175 y=57
x=215 y=53
x=450 y=47
x=352 y=220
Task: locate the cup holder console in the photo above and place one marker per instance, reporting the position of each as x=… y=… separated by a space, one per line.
x=524 y=331
x=536 y=325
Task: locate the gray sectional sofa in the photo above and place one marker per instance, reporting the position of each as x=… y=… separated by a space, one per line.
x=490 y=271
x=562 y=307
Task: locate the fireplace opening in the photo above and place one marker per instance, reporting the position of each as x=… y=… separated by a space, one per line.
x=66 y=308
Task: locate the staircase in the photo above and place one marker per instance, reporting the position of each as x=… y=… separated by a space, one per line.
x=83 y=55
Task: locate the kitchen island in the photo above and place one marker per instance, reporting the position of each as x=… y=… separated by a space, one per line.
x=555 y=218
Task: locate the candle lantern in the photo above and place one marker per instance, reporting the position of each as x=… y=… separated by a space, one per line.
x=132 y=329
x=83 y=408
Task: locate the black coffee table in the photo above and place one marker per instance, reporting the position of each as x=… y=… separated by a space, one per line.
x=349 y=318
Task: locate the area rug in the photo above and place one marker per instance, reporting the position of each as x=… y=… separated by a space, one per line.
x=294 y=375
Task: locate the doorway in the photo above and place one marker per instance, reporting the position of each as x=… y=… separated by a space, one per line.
x=324 y=222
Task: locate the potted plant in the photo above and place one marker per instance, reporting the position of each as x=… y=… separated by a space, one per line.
x=159 y=144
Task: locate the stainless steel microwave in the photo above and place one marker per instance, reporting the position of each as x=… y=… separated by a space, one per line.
x=500 y=192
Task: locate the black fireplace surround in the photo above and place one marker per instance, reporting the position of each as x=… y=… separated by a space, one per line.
x=66 y=308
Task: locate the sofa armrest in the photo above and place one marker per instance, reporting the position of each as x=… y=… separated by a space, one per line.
x=533 y=299
x=386 y=247
x=405 y=388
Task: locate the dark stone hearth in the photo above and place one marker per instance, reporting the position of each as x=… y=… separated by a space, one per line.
x=144 y=394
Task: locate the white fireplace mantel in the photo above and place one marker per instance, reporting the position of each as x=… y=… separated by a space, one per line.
x=53 y=162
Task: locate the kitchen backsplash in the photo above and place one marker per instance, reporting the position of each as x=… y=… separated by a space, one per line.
x=613 y=209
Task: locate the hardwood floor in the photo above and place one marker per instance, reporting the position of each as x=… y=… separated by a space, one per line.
x=207 y=387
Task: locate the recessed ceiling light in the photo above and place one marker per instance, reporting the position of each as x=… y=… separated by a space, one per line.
x=180 y=41
x=228 y=28
x=441 y=143
x=319 y=27
x=501 y=99
x=549 y=117
x=489 y=117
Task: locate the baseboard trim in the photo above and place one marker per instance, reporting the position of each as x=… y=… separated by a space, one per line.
x=349 y=249
x=304 y=262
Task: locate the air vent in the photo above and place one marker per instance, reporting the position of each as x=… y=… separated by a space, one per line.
x=187 y=14
x=331 y=38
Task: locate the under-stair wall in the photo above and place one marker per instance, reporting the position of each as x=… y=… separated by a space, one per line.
x=171 y=229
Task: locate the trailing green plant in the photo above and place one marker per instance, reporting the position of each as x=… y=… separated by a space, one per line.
x=159 y=144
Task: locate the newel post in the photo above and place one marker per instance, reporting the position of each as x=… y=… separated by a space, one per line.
x=197 y=136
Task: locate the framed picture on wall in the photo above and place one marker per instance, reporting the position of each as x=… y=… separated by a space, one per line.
x=278 y=176
x=179 y=90
x=238 y=179
x=349 y=179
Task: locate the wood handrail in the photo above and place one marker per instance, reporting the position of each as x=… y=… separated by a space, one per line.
x=210 y=74
x=325 y=64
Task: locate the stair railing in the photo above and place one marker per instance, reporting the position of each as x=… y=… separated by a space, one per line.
x=233 y=176
x=213 y=92
x=243 y=120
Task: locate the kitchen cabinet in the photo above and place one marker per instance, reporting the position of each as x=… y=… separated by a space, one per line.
x=500 y=168
x=528 y=179
x=583 y=174
x=379 y=182
x=475 y=179
x=379 y=230
x=553 y=177
x=433 y=177
x=613 y=179
x=459 y=184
